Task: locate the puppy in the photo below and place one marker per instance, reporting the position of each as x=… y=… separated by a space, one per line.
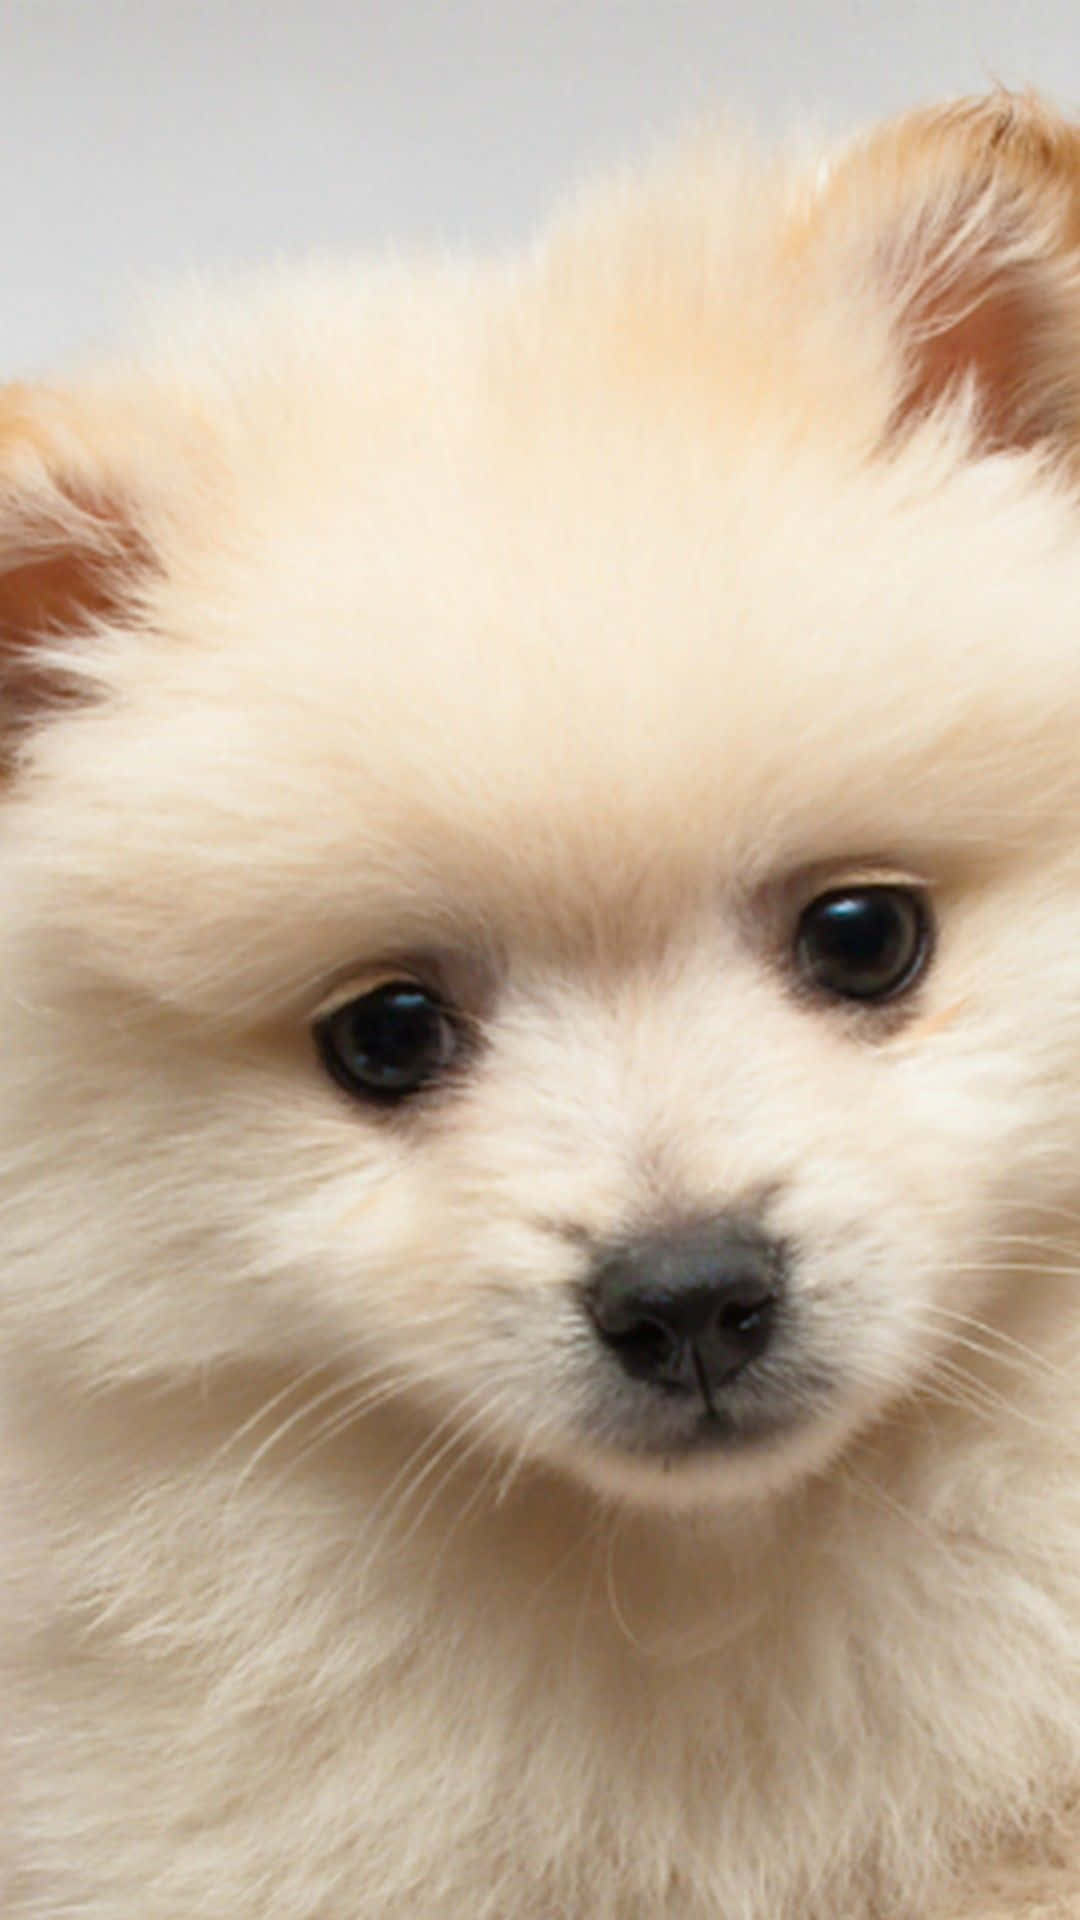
x=540 y=1104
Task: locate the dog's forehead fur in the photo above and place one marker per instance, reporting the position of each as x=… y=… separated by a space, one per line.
x=682 y=621
x=672 y=663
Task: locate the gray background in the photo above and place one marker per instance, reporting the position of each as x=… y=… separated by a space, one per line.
x=145 y=138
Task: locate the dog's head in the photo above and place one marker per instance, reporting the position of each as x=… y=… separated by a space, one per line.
x=542 y=844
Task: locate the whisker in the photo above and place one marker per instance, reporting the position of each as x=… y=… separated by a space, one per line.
x=370 y=1396
x=421 y=1463
x=261 y=1412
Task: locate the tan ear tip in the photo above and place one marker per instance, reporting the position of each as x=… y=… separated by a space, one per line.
x=19 y=422
x=40 y=428
x=1018 y=136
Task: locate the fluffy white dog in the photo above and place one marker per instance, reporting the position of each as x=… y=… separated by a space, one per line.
x=540 y=1096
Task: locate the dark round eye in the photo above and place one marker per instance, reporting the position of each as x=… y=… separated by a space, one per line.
x=386 y=1044
x=864 y=943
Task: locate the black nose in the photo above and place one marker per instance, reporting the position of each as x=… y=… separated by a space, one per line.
x=689 y=1309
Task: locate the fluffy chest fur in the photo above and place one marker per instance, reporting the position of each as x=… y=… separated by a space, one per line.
x=358 y=1685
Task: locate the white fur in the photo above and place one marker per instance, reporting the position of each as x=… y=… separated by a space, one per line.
x=563 y=619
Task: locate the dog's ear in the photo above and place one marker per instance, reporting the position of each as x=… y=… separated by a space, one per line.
x=72 y=553
x=967 y=219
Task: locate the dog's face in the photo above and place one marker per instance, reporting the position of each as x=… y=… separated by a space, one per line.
x=566 y=912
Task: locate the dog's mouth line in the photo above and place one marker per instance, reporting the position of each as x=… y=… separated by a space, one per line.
x=767 y=1405
x=702 y=1379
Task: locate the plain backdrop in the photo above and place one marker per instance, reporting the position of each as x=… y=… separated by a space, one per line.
x=152 y=138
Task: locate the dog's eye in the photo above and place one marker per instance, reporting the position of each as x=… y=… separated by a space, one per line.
x=864 y=943
x=386 y=1044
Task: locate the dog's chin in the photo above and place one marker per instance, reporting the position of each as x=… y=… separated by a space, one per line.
x=709 y=1459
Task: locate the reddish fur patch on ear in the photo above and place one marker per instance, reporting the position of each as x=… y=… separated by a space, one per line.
x=53 y=596
x=977 y=213
x=989 y=327
x=70 y=550
x=61 y=592
x=57 y=583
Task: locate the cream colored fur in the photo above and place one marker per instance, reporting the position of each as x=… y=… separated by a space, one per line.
x=561 y=622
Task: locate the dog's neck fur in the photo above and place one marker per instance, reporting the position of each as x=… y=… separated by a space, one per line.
x=717 y=1670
